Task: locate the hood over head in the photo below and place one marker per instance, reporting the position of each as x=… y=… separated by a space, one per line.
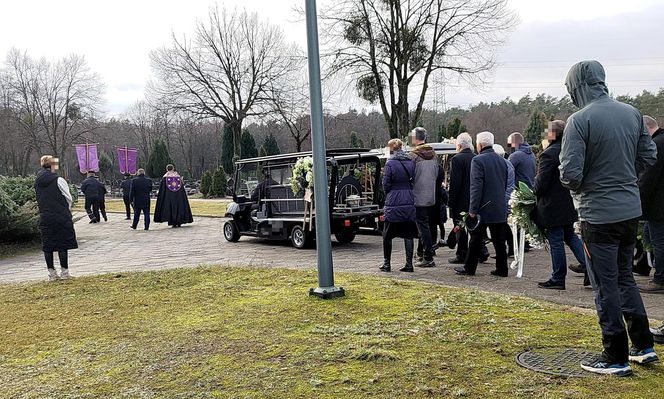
x=525 y=147
x=45 y=177
x=424 y=151
x=586 y=83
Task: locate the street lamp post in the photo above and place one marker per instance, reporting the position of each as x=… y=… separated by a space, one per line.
x=326 y=288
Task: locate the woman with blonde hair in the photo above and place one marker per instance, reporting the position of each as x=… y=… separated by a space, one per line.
x=399 y=204
x=55 y=222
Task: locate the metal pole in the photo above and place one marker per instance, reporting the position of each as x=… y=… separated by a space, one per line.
x=326 y=288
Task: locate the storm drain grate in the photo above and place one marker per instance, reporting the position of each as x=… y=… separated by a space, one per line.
x=556 y=361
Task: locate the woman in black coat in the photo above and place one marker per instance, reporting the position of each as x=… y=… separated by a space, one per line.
x=55 y=221
x=555 y=210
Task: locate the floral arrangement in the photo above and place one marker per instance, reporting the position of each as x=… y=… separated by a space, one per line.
x=523 y=202
x=303 y=176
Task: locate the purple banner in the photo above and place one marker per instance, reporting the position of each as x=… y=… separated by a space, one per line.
x=127 y=160
x=87 y=158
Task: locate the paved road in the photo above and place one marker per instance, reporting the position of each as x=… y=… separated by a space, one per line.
x=113 y=247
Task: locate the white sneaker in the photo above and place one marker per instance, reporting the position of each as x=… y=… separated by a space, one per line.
x=53 y=275
x=64 y=273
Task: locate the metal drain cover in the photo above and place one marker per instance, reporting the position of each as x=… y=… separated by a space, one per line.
x=556 y=361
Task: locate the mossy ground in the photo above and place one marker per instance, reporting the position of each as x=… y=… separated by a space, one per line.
x=239 y=332
x=199 y=207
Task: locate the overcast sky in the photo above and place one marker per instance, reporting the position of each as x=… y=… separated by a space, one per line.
x=117 y=36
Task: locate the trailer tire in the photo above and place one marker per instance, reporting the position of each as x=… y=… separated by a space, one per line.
x=300 y=238
x=345 y=237
x=231 y=233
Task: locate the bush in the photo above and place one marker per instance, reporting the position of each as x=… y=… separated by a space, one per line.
x=206 y=182
x=21 y=190
x=17 y=222
x=219 y=180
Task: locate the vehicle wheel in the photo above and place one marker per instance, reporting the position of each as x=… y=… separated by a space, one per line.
x=345 y=237
x=299 y=237
x=231 y=233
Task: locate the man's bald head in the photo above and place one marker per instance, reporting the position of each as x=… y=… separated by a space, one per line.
x=651 y=124
x=515 y=139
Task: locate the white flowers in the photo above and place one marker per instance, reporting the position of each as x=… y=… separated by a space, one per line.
x=303 y=175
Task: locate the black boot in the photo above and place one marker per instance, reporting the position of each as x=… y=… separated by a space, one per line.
x=386 y=266
x=410 y=247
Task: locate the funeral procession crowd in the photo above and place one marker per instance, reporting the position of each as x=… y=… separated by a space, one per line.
x=602 y=173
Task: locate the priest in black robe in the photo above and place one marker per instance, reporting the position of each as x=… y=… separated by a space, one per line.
x=172 y=202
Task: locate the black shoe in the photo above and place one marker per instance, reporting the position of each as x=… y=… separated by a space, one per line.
x=456 y=261
x=461 y=271
x=127 y=218
x=483 y=259
x=426 y=263
x=147 y=228
x=551 y=285
x=385 y=267
x=499 y=274
x=577 y=269
x=407 y=269
x=105 y=219
x=133 y=227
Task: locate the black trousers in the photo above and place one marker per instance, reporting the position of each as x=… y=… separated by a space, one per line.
x=476 y=243
x=63 y=256
x=610 y=249
x=102 y=209
x=428 y=231
x=92 y=208
x=146 y=217
x=462 y=241
x=127 y=203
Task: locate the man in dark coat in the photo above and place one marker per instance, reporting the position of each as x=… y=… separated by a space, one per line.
x=139 y=195
x=459 y=194
x=651 y=186
x=55 y=222
x=555 y=210
x=91 y=187
x=126 y=189
x=172 y=202
x=605 y=147
x=488 y=208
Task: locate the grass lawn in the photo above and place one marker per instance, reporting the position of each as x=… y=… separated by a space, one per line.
x=199 y=207
x=239 y=332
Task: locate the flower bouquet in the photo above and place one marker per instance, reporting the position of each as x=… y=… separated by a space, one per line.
x=302 y=178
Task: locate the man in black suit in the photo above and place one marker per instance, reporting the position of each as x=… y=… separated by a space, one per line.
x=459 y=194
x=139 y=195
x=91 y=188
x=126 y=189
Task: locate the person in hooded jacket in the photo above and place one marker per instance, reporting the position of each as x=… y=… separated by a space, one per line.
x=55 y=222
x=523 y=159
x=399 y=204
x=425 y=188
x=555 y=210
x=605 y=146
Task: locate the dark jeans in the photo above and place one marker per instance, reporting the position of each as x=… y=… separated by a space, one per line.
x=62 y=255
x=610 y=248
x=557 y=238
x=146 y=217
x=387 y=250
x=424 y=227
x=128 y=207
x=92 y=208
x=656 y=230
x=476 y=243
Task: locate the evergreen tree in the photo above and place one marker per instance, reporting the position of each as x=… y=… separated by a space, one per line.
x=219 y=181
x=537 y=124
x=159 y=158
x=105 y=165
x=206 y=183
x=248 y=145
x=270 y=146
x=355 y=141
x=227 y=150
x=455 y=128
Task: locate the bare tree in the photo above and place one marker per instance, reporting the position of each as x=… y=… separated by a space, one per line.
x=391 y=47
x=225 y=70
x=290 y=102
x=58 y=100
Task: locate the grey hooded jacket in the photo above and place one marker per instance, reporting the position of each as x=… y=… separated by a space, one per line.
x=604 y=147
